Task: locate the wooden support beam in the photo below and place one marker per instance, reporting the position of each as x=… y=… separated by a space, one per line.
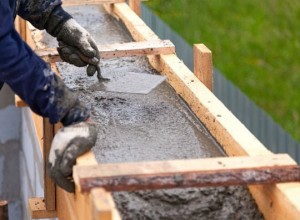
x=135 y=5
x=49 y=186
x=203 y=67
x=38 y=209
x=3 y=210
x=90 y=2
x=154 y=47
x=103 y=205
x=188 y=173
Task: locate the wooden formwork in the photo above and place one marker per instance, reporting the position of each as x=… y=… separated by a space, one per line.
x=92 y=201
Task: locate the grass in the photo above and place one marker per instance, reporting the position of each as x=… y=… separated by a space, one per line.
x=255 y=44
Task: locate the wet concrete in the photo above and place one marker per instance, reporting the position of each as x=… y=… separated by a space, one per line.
x=128 y=82
x=156 y=126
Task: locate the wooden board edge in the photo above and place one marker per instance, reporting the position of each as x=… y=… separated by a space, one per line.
x=49 y=185
x=103 y=205
x=109 y=51
x=65 y=205
x=38 y=210
x=234 y=137
x=205 y=172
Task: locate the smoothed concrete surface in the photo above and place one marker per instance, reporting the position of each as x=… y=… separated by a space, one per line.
x=128 y=82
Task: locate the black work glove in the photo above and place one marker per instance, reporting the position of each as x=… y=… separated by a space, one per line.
x=69 y=143
x=76 y=46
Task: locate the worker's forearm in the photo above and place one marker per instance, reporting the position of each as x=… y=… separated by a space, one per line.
x=48 y=15
x=31 y=78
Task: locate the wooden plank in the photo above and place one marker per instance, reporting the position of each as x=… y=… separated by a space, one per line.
x=188 y=173
x=75 y=206
x=154 y=47
x=135 y=5
x=103 y=205
x=3 y=210
x=66 y=205
x=38 y=210
x=234 y=137
x=89 y=2
x=70 y=206
x=203 y=67
x=49 y=186
x=39 y=130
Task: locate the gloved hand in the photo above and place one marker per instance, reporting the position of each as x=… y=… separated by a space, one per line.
x=69 y=143
x=76 y=46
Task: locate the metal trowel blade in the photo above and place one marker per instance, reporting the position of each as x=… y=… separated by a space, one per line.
x=129 y=82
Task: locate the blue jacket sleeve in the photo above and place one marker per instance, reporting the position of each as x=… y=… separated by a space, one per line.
x=44 y=14
x=28 y=75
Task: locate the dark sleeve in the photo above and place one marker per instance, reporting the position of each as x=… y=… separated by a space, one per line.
x=44 y=14
x=30 y=77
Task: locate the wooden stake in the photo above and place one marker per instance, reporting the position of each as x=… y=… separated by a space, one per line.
x=3 y=210
x=49 y=186
x=135 y=5
x=203 y=67
x=188 y=173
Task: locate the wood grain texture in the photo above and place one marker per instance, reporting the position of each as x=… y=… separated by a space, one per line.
x=66 y=205
x=203 y=67
x=103 y=205
x=188 y=173
x=49 y=186
x=38 y=209
x=155 y=47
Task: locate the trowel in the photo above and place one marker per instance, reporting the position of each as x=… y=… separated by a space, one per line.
x=124 y=81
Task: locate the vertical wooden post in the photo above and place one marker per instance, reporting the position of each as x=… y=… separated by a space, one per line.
x=3 y=210
x=203 y=66
x=135 y=5
x=49 y=186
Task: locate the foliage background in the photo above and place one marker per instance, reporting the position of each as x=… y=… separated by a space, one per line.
x=255 y=44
